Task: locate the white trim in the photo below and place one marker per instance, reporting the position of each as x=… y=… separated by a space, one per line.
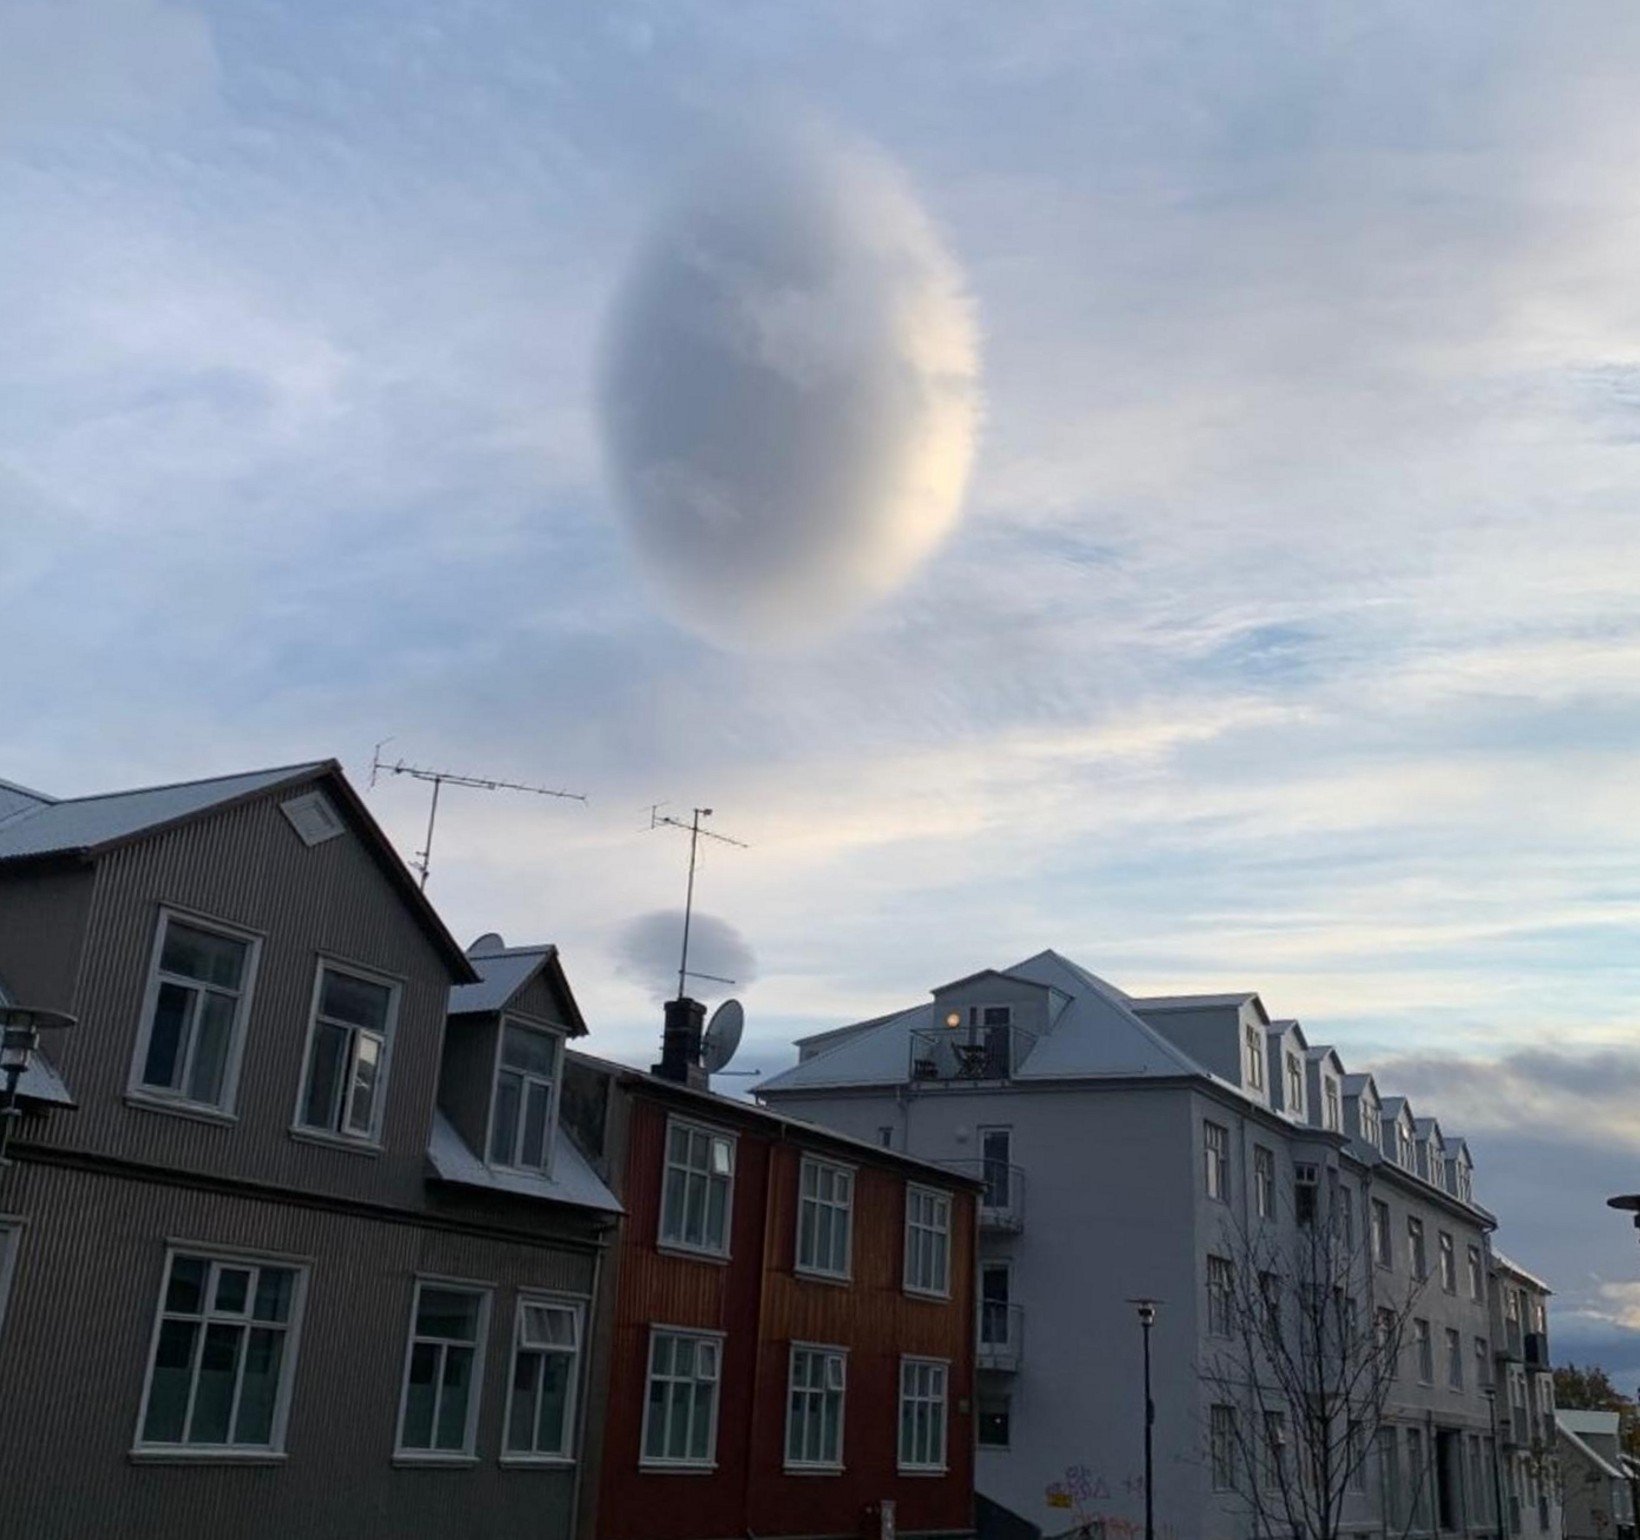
x=572 y=1402
x=159 y=1097
x=919 y=1467
x=813 y=1269
x=560 y=1041
x=468 y=1453
x=712 y=1131
x=214 y=1256
x=647 y=1461
x=944 y=1195
x=816 y=1467
x=11 y=1242
x=395 y=992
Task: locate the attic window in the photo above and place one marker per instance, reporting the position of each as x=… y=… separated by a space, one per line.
x=313 y=818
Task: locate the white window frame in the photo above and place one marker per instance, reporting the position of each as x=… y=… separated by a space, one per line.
x=1477 y=1275
x=1446 y=1253
x=384 y=1077
x=1383 y=1236
x=1253 y=1040
x=911 y=1395
x=938 y=1230
x=136 y=1088
x=1216 y=1160
x=1295 y=1082
x=572 y=1402
x=1454 y=1358
x=697 y=1336
x=1372 y=1123
x=1264 y=1181
x=711 y=1132
x=11 y=1242
x=821 y=1167
x=214 y=1257
x=555 y=1089
x=468 y=1453
x=814 y=1403
x=1417 y=1247
x=1423 y=1338
x=1332 y=1097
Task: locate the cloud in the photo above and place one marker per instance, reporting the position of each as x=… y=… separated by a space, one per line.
x=790 y=393
x=647 y=951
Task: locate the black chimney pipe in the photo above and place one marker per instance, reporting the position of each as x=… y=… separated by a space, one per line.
x=680 y=1044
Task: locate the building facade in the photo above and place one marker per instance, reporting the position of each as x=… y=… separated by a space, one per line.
x=791 y=1323
x=1195 y=1152
x=282 y=1250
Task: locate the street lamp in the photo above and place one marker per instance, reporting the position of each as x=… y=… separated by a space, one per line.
x=1147 y=1319
x=1491 y=1394
x=20 y=1029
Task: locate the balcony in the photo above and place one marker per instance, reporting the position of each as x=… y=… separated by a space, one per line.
x=1002 y=1204
x=1512 y=1346
x=1001 y=1337
x=964 y=1055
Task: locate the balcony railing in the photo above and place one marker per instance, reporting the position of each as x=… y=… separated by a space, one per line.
x=1001 y=1336
x=942 y=1055
x=1002 y=1204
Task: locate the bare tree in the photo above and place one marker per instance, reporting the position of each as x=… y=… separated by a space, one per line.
x=1303 y=1358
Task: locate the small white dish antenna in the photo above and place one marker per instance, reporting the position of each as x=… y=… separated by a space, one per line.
x=486 y=944
x=722 y=1036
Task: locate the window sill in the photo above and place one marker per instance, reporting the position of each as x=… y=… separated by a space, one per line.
x=536 y=1461
x=677 y=1467
x=335 y=1141
x=929 y=1296
x=677 y=1249
x=176 y=1107
x=923 y=1470
x=813 y=1470
x=815 y=1275
x=432 y=1459
x=188 y=1454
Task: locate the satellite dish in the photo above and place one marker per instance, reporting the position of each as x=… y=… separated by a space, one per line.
x=489 y=942
x=722 y=1036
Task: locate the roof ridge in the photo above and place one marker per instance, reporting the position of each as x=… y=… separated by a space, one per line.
x=202 y=780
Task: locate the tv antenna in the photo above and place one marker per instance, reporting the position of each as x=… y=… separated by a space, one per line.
x=657 y=820
x=422 y=862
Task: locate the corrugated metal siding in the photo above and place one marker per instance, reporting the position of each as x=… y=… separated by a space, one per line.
x=246 y=866
x=75 y=1342
x=468 y=1077
x=763 y=1307
x=539 y=999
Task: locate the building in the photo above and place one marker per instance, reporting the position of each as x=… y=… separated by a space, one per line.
x=791 y=1320
x=1527 y=1418
x=1188 y=1150
x=289 y=1251
x=1598 y=1491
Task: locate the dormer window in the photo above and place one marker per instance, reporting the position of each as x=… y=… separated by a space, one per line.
x=1466 y=1183
x=522 y=1109
x=1406 y=1150
x=1295 y=1083
x=1371 y=1129
x=1255 y=1057
x=1333 y=1116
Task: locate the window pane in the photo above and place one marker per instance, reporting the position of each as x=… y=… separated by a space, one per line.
x=185 y=1294
x=213 y=1396
x=694 y=1210
x=661 y=1356
x=535 y=1052
x=504 y=1135
x=700 y=1430
x=233 y=1289
x=418 y=1398
x=537 y=1103
x=677 y=1424
x=212 y=1033
x=551 y=1432
x=521 y=1401
x=367 y=1053
x=165 y=1038
x=672 y=1213
x=452 y=1405
x=321 y=1107
x=723 y=1157
x=447 y=1313
x=168 y=1391
x=356 y=1001
x=549 y=1326
x=717 y=1235
x=273 y=1293
x=202 y=955
x=259 y=1388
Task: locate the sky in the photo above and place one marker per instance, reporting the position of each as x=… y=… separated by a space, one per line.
x=1228 y=577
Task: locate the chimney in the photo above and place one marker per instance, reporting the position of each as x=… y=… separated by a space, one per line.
x=680 y=1044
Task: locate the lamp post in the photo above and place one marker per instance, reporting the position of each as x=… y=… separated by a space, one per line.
x=1147 y=1319
x=20 y=1029
x=1491 y=1394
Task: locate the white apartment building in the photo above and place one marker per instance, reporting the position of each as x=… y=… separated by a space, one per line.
x=1139 y=1148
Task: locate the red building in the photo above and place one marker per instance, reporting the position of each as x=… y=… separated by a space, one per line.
x=791 y=1323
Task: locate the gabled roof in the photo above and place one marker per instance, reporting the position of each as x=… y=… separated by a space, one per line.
x=86 y=827
x=1283 y=1028
x=1502 y=1262
x=16 y=799
x=1197 y=1002
x=1428 y=1128
x=503 y=973
x=1395 y=1109
x=1321 y=1052
x=1355 y=1084
x=1576 y=1440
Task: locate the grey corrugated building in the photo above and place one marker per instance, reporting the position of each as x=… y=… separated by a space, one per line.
x=283 y=1248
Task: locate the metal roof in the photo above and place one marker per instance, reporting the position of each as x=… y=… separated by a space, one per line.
x=502 y=973
x=38 y=828
x=572 y=1181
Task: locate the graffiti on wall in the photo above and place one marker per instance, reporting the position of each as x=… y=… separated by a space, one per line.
x=1084 y=1499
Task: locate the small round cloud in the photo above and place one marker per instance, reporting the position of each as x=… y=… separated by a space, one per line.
x=646 y=953
x=790 y=394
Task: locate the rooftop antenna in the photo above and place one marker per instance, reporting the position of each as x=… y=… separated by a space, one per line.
x=422 y=861
x=657 y=820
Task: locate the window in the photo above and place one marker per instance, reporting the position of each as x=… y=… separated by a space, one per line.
x=885 y=1136
x=995 y=1416
x=1426 y=1351
x=1333 y=1116
x=1387 y=1341
x=1406 y=1153
x=1222 y=1437
x=1221 y=1278
x=987 y=1054
x=696 y=1203
x=927 y=1241
x=1454 y=1358
x=996 y=1153
x=345 y=1081
x=1275 y=1450
x=825 y=1210
x=1264 y=1181
x=1345 y=1197
x=680 y=1410
x=1483 y=1364
x=814 y=1408
x=1415 y=1247
x=1382 y=1247
x=1372 y=1127
x=1295 y=1083
x=1254 y=1040
x=922 y=1414
x=996 y=1316
x=1449 y=1262
x=438 y=1415
x=193 y=1014
x=1477 y=1278
x=1305 y=1179
x=1216 y=1142
x=545 y=1371
x=1417 y=1478
x=521 y=1113
x=224 y=1353
x=1466 y=1183
x=1269 y=1289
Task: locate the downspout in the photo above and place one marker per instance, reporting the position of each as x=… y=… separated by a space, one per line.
x=765 y=1270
